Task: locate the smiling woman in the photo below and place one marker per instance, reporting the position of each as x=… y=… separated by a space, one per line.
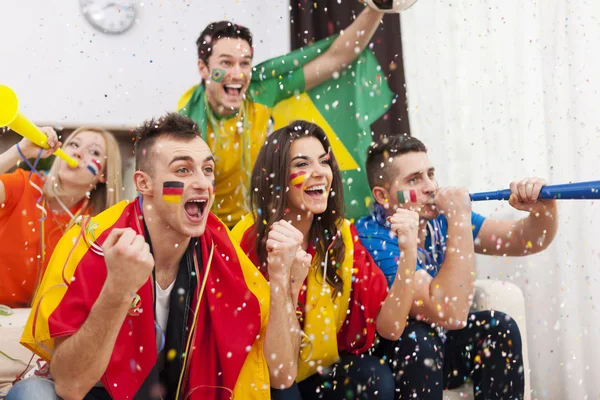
x=299 y=158
x=297 y=193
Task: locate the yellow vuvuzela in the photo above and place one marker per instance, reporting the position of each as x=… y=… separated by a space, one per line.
x=12 y=118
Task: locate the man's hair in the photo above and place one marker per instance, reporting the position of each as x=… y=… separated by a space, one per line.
x=171 y=126
x=382 y=152
x=217 y=30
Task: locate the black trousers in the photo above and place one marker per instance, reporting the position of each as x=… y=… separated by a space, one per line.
x=97 y=394
x=353 y=377
x=487 y=350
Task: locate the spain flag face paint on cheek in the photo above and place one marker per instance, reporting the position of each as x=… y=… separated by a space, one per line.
x=297 y=179
x=172 y=191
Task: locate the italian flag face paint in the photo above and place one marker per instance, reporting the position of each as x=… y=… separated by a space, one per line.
x=172 y=191
x=407 y=196
x=298 y=178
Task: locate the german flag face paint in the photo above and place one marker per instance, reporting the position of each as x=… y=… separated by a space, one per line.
x=297 y=179
x=172 y=191
x=407 y=196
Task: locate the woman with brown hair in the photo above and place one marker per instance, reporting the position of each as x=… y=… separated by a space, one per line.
x=35 y=210
x=297 y=203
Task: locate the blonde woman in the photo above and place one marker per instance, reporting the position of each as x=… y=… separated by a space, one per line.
x=35 y=210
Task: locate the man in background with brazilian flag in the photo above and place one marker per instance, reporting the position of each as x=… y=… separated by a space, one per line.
x=335 y=83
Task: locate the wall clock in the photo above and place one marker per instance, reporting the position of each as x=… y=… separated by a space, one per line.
x=109 y=16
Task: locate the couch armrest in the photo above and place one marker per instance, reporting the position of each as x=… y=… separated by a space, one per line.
x=11 y=328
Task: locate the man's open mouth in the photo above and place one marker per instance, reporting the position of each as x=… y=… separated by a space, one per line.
x=195 y=209
x=233 y=89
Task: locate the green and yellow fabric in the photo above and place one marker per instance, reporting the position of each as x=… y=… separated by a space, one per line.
x=344 y=106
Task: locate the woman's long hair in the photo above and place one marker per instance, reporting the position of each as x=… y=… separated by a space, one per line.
x=104 y=195
x=269 y=201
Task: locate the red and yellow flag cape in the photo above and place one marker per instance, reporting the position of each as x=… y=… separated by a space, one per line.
x=224 y=353
x=324 y=317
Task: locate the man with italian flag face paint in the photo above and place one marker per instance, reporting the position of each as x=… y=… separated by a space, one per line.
x=432 y=231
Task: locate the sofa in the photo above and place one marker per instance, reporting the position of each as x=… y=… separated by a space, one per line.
x=507 y=298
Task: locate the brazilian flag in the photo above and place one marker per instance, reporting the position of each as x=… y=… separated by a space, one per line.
x=344 y=106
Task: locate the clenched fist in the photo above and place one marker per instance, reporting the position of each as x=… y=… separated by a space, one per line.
x=31 y=150
x=525 y=194
x=453 y=202
x=283 y=243
x=129 y=262
x=405 y=224
x=300 y=268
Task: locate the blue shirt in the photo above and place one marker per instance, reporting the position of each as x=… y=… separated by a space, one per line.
x=375 y=235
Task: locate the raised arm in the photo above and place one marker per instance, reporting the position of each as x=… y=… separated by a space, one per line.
x=10 y=157
x=446 y=299
x=528 y=235
x=396 y=307
x=344 y=50
x=79 y=361
x=283 y=337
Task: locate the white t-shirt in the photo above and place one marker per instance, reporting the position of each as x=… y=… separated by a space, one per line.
x=162 y=315
x=162 y=305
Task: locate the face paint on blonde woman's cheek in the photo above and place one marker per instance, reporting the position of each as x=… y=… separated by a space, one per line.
x=94 y=167
x=297 y=179
x=172 y=191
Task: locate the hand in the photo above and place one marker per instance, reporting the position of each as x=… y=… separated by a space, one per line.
x=129 y=262
x=453 y=202
x=525 y=193
x=300 y=268
x=405 y=225
x=31 y=150
x=283 y=243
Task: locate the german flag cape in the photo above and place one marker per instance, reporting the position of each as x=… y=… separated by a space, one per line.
x=222 y=357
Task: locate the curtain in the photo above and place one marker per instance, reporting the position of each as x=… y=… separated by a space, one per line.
x=500 y=91
x=313 y=20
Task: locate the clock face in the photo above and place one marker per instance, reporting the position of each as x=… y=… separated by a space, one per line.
x=109 y=16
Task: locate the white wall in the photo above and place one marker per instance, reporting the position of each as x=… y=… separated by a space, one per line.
x=64 y=70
